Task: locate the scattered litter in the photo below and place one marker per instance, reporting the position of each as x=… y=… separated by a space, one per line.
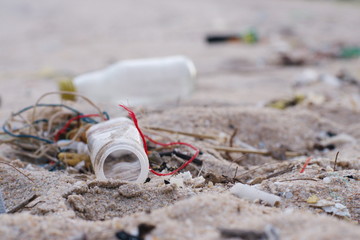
x=117 y=152
x=327 y=180
x=186 y=178
x=2 y=204
x=269 y=233
x=286 y=103
x=307 y=161
x=171 y=144
x=179 y=182
x=313 y=199
x=337 y=209
x=166 y=79
x=143 y=230
x=248 y=37
x=286 y=59
x=349 y=52
x=183 y=156
x=310 y=76
x=48 y=129
x=251 y=193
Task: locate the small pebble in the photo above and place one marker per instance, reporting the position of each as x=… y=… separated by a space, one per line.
x=327 y=180
x=288 y=195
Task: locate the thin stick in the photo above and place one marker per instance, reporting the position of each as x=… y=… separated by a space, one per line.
x=253 y=151
x=336 y=157
x=240 y=150
x=17 y=170
x=286 y=170
x=231 y=142
x=23 y=204
x=235 y=172
x=196 y=135
x=298 y=179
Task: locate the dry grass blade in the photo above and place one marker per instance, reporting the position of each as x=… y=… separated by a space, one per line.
x=196 y=135
x=252 y=151
x=8 y=164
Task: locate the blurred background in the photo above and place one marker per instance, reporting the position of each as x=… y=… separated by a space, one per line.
x=43 y=40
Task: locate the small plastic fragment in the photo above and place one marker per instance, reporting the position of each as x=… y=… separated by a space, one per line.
x=327 y=180
x=251 y=193
x=2 y=204
x=338 y=209
x=313 y=199
x=177 y=181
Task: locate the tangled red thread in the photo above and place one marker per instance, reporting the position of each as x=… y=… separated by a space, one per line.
x=144 y=137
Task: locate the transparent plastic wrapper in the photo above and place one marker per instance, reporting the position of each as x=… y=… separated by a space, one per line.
x=117 y=152
x=137 y=82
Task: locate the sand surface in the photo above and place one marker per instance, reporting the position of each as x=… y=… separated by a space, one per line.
x=44 y=41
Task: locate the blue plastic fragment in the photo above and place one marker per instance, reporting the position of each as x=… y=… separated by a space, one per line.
x=2 y=204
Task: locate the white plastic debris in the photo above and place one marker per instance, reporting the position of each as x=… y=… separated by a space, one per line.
x=186 y=178
x=307 y=77
x=251 y=193
x=79 y=147
x=117 y=152
x=137 y=82
x=337 y=209
x=310 y=76
x=177 y=181
x=198 y=182
x=327 y=180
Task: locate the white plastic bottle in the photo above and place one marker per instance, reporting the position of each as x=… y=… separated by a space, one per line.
x=137 y=82
x=117 y=151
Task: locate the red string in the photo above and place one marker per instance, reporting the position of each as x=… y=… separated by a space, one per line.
x=133 y=117
x=143 y=137
x=307 y=161
x=66 y=126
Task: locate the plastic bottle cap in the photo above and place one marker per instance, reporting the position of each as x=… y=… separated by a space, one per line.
x=67 y=85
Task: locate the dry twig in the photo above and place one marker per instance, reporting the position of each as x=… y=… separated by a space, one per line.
x=8 y=164
x=23 y=204
x=336 y=157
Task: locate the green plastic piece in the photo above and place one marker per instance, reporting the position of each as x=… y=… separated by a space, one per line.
x=350 y=52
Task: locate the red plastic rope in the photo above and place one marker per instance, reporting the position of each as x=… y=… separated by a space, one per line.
x=66 y=126
x=307 y=161
x=144 y=137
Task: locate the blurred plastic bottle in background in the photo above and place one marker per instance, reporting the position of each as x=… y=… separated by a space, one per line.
x=136 y=82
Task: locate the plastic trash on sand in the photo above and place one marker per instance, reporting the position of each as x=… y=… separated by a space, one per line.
x=117 y=152
x=251 y=193
x=136 y=82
